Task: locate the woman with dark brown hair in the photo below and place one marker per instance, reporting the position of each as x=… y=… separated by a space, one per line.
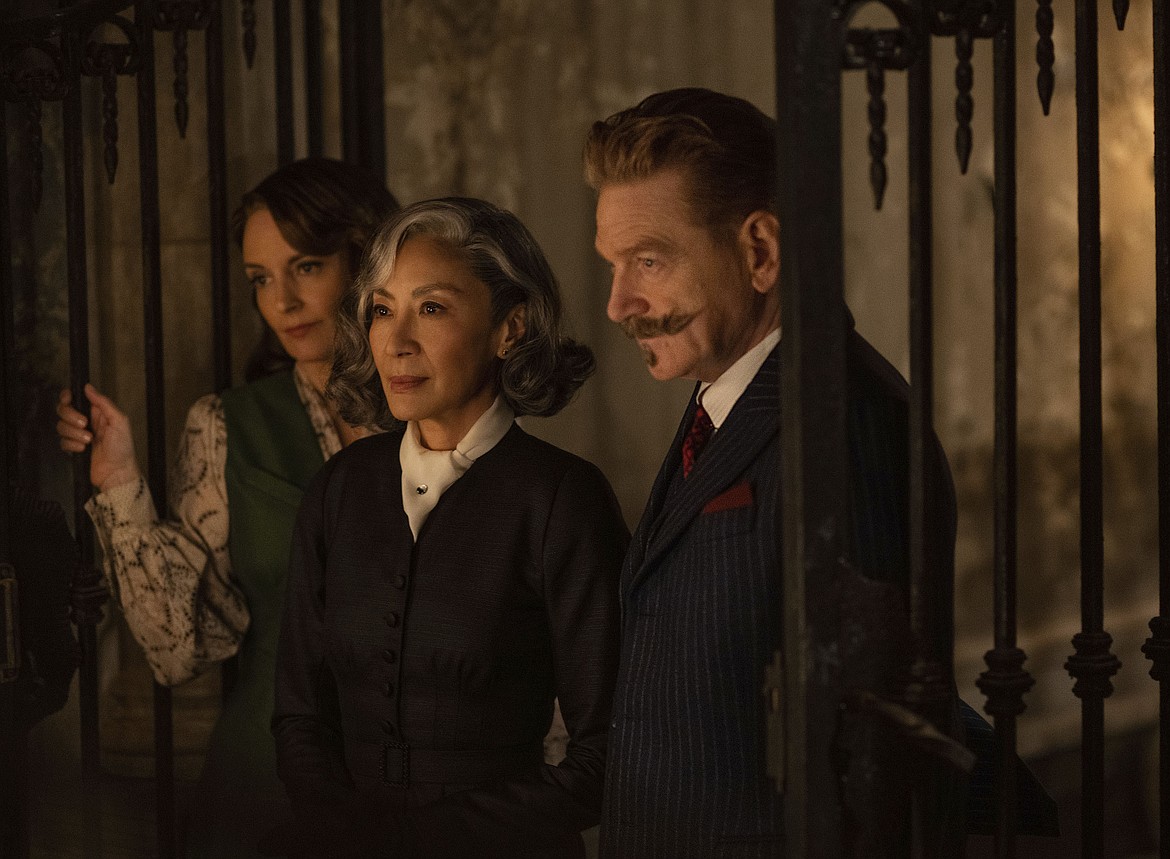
x=207 y=584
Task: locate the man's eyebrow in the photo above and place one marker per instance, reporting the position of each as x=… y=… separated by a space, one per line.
x=652 y=244
x=644 y=246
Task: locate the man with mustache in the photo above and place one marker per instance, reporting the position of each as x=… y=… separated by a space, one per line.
x=687 y=218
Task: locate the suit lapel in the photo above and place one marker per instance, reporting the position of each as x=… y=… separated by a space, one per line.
x=753 y=421
x=645 y=530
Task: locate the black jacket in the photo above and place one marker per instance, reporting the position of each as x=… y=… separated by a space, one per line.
x=415 y=681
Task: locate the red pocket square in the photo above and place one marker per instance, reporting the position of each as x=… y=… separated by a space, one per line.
x=735 y=498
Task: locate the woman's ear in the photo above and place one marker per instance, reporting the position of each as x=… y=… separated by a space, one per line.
x=513 y=327
x=759 y=245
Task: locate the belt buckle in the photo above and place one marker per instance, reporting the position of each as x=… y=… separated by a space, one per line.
x=395 y=763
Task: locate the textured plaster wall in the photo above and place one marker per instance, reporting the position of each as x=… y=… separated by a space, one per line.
x=492 y=98
x=1049 y=557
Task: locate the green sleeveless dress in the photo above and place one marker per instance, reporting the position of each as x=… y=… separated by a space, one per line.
x=272 y=454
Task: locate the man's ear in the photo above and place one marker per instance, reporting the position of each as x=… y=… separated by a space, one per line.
x=759 y=246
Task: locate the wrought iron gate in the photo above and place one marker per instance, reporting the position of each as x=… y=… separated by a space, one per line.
x=46 y=55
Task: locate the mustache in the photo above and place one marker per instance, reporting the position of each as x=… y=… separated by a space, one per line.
x=643 y=327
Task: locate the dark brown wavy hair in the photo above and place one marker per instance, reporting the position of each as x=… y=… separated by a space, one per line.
x=321 y=206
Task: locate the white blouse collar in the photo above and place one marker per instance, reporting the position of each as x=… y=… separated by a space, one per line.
x=427 y=474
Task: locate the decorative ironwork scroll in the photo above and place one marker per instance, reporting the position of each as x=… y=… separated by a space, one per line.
x=180 y=17
x=107 y=60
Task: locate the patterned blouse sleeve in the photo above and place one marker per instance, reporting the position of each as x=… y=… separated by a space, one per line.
x=173 y=578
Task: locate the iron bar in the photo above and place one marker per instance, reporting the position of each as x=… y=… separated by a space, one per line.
x=13 y=831
x=1092 y=664
x=1157 y=647
x=36 y=149
x=156 y=465
x=314 y=85
x=812 y=390
x=180 y=86
x=221 y=302
x=8 y=432
x=876 y=86
x=1005 y=681
x=363 y=113
x=282 y=38
x=248 y=25
x=347 y=29
x=78 y=284
x=930 y=673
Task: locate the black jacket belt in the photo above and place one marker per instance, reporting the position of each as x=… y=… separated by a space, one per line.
x=403 y=764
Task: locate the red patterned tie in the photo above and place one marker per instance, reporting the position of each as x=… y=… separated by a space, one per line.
x=697 y=438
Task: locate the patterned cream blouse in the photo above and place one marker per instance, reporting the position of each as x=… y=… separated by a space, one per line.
x=173 y=578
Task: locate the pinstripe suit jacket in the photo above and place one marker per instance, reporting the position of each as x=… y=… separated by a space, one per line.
x=686 y=773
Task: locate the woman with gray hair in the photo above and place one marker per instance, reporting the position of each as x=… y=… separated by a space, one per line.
x=454 y=575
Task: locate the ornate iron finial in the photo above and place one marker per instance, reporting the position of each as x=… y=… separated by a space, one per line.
x=1157 y=648
x=1005 y=681
x=1120 y=11
x=875 y=83
x=964 y=103
x=32 y=67
x=180 y=17
x=248 y=20
x=876 y=51
x=1045 y=53
x=107 y=60
x=33 y=71
x=1092 y=665
x=966 y=20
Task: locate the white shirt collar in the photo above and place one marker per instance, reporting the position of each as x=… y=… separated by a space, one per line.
x=718 y=398
x=427 y=474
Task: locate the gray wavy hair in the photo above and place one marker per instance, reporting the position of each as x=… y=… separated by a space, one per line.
x=540 y=373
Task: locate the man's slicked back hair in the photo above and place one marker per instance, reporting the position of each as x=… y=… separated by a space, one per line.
x=725 y=146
